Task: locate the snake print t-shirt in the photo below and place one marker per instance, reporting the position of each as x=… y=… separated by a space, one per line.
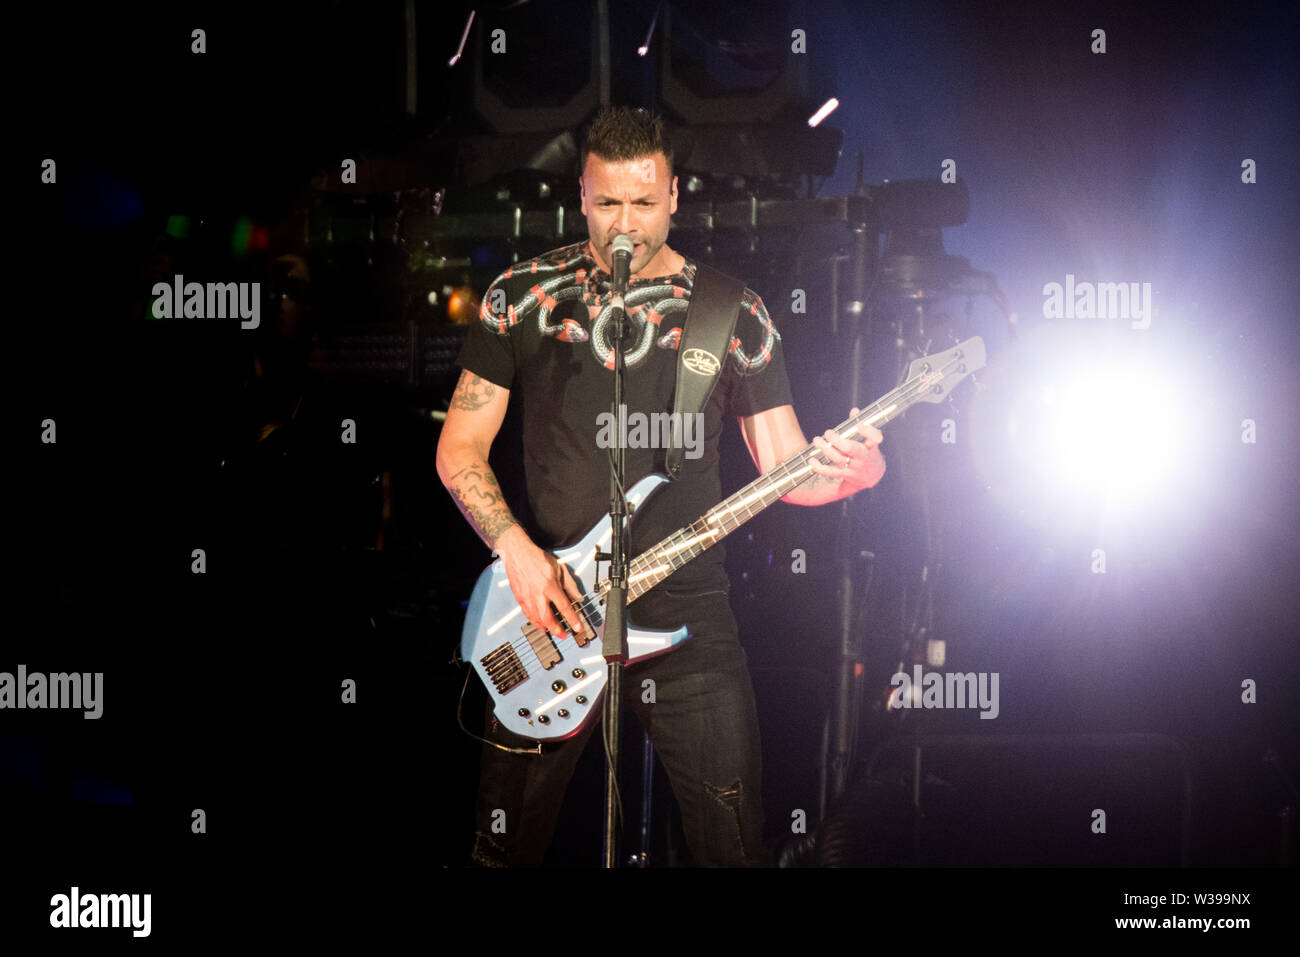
x=545 y=329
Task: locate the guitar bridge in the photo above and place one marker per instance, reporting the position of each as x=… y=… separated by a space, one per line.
x=505 y=669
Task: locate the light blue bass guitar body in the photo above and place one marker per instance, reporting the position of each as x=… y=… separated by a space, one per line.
x=545 y=687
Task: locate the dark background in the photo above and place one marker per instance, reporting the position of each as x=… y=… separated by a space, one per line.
x=222 y=690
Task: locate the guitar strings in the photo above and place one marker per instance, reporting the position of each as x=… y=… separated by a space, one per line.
x=522 y=646
x=529 y=658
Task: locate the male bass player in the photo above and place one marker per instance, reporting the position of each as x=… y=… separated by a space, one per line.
x=545 y=330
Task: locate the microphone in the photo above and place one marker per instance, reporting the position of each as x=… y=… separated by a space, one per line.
x=622 y=264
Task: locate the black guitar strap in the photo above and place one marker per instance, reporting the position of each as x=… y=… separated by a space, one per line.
x=706 y=338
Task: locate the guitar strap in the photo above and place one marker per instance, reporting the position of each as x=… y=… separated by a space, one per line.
x=705 y=343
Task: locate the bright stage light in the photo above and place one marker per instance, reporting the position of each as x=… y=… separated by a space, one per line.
x=1114 y=432
x=824 y=111
x=1085 y=427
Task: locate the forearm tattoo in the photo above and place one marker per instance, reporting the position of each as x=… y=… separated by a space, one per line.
x=817 y=481
x=479 y=498
x=472 y=392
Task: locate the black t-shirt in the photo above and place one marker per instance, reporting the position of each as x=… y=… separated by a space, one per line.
x=545 y=329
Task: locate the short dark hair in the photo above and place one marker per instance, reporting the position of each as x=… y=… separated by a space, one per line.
x=620 y=133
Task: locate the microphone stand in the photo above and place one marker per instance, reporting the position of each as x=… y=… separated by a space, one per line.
x=614 y=639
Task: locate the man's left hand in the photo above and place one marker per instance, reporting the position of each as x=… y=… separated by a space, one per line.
x=856 y=465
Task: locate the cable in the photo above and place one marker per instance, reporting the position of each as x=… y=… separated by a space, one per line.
x=609 y=761
x=460 y=706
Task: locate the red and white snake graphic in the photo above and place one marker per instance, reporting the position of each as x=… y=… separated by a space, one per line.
x=570 y=273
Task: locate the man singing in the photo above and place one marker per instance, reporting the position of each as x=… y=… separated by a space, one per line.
x=545 y=330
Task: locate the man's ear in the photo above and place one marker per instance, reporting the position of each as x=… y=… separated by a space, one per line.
x=582 y=192
x=672 y=208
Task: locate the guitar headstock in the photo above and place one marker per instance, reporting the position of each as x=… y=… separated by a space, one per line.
x=940 y=372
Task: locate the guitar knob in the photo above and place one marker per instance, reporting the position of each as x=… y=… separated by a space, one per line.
x=562 y=713
x=544 y=718
x=579 y=674
x=581 y=699
x=524 y=712
x=557 y=686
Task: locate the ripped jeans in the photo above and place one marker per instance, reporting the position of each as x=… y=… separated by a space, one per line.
x=704 y=727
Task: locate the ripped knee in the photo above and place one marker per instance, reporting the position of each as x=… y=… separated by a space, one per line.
x=728 y=797
x=728 y=837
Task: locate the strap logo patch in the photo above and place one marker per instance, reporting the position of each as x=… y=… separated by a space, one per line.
x=701 y=362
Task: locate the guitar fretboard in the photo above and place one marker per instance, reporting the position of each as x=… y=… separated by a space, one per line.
x=658 y=562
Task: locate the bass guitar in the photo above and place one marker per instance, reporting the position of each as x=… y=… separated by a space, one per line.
x=546 y=687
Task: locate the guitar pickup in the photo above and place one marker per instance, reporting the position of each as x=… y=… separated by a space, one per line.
x=548 y=656
x=583 y=638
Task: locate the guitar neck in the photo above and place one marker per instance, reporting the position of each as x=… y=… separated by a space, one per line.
x=655 y=564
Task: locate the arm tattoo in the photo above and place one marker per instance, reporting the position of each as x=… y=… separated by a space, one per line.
x=819 y=480
x=479 y=498
x=472 y=392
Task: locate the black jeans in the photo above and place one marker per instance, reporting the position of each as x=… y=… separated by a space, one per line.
x=704 y=726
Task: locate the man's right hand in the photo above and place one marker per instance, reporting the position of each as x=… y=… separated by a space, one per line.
x=539 y=582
